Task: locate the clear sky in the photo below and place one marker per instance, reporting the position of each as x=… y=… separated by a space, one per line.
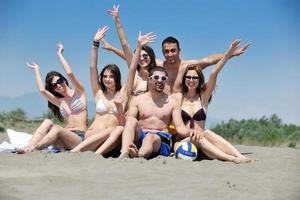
x=263 y=81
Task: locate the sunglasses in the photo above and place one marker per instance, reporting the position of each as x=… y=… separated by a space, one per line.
x=145 y=56
x=159 y=78
x=194 y=78
x=58 y=82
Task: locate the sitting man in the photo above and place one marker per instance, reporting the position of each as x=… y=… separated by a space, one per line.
x=148 y=118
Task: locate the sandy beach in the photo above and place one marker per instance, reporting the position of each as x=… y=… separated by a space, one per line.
x=276 y=175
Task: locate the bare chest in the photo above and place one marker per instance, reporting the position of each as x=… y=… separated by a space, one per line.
x=160 y=110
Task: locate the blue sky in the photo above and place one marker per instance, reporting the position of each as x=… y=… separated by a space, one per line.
x=264 y=81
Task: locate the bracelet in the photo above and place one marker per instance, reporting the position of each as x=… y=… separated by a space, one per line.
x=96 y=43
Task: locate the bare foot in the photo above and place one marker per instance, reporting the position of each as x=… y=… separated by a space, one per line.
x=24 y=150
x=74 y=151
x=239 y=160
x=133 y=151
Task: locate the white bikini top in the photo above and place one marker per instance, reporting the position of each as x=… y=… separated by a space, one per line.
x=101 y=108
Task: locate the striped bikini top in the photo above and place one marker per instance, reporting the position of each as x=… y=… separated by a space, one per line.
x=77 y=105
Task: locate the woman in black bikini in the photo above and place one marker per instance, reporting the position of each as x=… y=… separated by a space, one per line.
x=195 y=96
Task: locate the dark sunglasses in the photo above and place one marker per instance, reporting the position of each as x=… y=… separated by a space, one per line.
x=194 y=78
x=58 y=82
x=145 y=56
x=158 y=77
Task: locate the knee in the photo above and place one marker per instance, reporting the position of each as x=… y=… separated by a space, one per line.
x=48 y=122
x=118 y=131
x=151 y=138
x=199 y=142
x=55 y=129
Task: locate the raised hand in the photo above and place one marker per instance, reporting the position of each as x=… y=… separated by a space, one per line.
x=101 y=33
x=60 y=48
x=239 y=51
x=105 y=44
x=32 y=65
x=114 y=12
x=146 y=39
x=118 y=100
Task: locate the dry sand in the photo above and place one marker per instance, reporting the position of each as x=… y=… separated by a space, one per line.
x=43 y=176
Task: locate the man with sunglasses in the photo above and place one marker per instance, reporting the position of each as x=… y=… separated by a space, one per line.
x=149 y=116
x=173 y=63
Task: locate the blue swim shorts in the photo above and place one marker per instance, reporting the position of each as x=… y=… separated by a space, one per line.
x=165 y=147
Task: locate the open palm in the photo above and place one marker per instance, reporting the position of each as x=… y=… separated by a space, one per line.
x=146 y=39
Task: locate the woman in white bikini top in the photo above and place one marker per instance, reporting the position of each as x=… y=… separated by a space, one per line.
x=111 y=98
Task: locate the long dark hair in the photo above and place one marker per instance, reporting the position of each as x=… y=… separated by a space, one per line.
x=117 y=77
x=202 y=85
x=49 y=87
x=151 y=54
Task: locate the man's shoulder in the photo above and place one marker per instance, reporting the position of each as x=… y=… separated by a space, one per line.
x=140 y=97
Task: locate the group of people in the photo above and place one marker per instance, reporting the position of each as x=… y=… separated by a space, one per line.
x=161 y=103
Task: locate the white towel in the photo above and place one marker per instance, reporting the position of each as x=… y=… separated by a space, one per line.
x=16 y=140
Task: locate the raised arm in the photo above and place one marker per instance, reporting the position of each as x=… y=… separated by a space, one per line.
x=118 y=101
x=215 y=58
x=78 y=86
x=107 y=46
x=214 y=74
x=122 y=36
x=177 y=89
x=50 y=97
x=94 y=59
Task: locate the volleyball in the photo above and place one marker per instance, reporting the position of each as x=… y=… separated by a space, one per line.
x=186 y=151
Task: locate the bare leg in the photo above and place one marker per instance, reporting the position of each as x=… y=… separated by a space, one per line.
x=212 y=151
x=40 y=132
x=151 y=144
x=222 y=144
x=112 y=141
x=215 y=153
x=92 y=142
x=58 y=133
x=128 y=136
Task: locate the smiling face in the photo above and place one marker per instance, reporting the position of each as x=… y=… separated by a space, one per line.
x=145 y=59
x=170 y=52
x=58 y=84
x=191 y=80
x=157 y=81
x=108 y=79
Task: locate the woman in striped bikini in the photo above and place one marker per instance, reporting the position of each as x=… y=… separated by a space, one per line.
x=67 y=103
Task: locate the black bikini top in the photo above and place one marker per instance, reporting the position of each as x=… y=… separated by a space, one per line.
x=198 y=116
